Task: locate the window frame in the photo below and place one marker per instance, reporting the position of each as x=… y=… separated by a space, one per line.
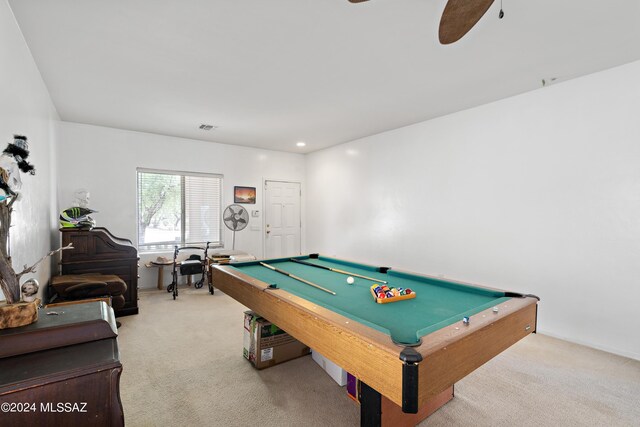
x=169 y=245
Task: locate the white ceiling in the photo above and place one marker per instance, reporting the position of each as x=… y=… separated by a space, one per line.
x=270 y=73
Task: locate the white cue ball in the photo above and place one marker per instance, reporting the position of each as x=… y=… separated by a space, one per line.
x=350 y=280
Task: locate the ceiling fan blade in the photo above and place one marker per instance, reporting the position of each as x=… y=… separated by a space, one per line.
x=357 y=1
x=459 y=16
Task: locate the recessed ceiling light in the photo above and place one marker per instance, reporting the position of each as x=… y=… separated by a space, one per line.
x=207 y=127
x=301 y=144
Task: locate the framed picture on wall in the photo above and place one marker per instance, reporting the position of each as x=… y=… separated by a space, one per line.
x=244 y=195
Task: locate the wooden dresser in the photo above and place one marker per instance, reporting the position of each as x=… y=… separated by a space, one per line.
x=63 y=370
x=99 y=251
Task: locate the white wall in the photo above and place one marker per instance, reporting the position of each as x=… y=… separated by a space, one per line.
x=26 y=108
x=539 y=193
x=104 y=160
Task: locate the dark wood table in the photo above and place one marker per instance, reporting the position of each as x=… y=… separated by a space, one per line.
x=64 y=385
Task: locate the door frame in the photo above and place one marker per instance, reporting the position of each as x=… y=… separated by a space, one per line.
x=264 y=212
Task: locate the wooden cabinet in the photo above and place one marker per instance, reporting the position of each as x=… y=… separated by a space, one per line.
x=63 y=370
x=99 y=251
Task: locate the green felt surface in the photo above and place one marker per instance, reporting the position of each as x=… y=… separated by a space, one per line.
x=438 y=303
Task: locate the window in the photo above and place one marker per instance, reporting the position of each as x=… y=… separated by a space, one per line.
x=178 y=208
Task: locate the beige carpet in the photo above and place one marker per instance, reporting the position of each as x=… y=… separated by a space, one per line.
x=183 y=365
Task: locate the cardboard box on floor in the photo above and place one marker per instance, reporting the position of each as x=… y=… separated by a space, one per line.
x=266 y=345
x=338 y=374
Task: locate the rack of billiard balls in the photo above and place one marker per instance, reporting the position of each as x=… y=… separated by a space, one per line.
x=384 y=294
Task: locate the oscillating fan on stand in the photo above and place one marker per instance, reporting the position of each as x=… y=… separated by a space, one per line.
x=236 y=218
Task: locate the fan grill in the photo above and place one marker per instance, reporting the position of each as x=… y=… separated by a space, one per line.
x=235 y=218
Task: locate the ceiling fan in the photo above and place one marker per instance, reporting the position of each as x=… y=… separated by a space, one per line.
x=458 y=17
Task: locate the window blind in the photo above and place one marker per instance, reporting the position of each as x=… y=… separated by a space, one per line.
x=178 y=208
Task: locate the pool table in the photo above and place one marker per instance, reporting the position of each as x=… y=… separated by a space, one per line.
x=409 y=352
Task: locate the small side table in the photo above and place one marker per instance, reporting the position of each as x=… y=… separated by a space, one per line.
x=160 y=266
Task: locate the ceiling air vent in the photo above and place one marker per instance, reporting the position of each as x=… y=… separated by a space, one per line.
x=207 y=127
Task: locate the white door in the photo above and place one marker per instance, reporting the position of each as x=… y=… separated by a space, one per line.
x=282 y=219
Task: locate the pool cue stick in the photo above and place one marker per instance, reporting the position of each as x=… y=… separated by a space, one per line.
x=337 y=270
x=300 y=279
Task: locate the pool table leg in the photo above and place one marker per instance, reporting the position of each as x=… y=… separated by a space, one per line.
x=376 y=410
x=370 y=406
